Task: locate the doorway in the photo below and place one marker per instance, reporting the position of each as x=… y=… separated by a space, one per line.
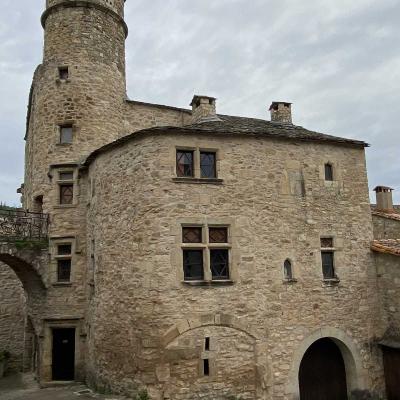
x=63 y=365
x=391 y=362
x=322 y=374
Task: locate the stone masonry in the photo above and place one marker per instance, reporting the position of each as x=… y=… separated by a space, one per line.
x=138 y=323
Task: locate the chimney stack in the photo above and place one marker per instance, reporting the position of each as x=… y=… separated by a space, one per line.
x=281 y=112
x=204 y=109
x=384 y=201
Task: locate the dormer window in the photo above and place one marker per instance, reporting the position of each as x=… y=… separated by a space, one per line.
x=328 y=172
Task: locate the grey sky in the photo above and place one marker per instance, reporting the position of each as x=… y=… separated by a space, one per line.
x=338 y=61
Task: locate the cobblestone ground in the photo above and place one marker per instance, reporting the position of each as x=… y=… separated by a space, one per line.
x=24 y=387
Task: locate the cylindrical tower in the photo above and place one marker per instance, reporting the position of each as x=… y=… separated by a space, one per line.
x=78 y=92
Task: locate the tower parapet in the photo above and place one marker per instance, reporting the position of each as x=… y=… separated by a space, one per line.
x=116 y=5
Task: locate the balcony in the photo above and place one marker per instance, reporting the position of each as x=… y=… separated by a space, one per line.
x=19 y=225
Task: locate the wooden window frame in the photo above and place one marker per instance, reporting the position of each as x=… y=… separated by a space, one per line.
x=196 y=164
x=62 y=257
x=63 y=182
x=329 y=250
x=329 y=176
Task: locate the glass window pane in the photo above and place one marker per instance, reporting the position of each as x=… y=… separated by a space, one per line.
x=63 y=270
x=184 y=163
x=218 y=235
x=193 y=265
x=287 y=270
x=192 y=235
x=328 y=265
x=66 y=194
x=66 y=176
x=328 y=172
x=207 y=165
x=219 y=259
x=66 y=134
x=64 y=249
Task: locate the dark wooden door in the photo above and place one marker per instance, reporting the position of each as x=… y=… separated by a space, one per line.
x=322 y=374
x=391 y=362
x=63 y=354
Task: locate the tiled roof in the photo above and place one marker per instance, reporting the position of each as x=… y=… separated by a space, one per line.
x=388 y=246
x=226 y=124
x=395 y=215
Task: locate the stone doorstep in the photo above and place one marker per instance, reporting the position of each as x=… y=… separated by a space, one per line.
x=55 y=384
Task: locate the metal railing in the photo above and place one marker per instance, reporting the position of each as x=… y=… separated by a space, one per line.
x=23 y=225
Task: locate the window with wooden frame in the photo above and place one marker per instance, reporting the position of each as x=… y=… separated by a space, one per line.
x=328 y=258
x=185 y=163
x=206 y=253
x=196 y=163
x=66 y=134
x=66 y=187
x=64 y=262
x=208 y=167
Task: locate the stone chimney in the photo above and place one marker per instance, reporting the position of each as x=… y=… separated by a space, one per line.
x=281 y=112
x=204 y=109
x=384 y=200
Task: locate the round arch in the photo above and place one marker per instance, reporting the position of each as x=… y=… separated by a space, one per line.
x=355 y=375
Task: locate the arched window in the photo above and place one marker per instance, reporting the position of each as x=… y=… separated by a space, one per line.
x=287 y=270
x=328 y=172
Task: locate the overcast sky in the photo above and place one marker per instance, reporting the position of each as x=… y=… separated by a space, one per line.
x=338 y=61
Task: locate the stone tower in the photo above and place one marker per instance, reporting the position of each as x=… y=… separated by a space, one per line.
x=78 y=92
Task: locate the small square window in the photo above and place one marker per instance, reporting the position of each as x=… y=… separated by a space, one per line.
x=327 y=243
x=193 y=265
x=218 y=235
x=64 y=249
x=64 y=270
x=208 y=165
x=219 y=260
x=66 y=134
x=192 y=235
x=328 y=172
x=63 y=73
x=66 y=193
x=184 y=163
x=328 y=269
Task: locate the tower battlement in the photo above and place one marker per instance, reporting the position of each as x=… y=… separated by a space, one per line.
x=115 y=5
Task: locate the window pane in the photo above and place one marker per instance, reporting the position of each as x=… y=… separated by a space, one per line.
x=192 y=235
x=66 y=176
x=66 y=134
x=219 y=259
x=207 y=165
x=327 y=264
x=193 y=265
x=328 y=172
x=218 y=235
x=66 y=194
x=63 y=270
x=326 y=242
x=287 y=270
x=184 y=163
x=64 y=249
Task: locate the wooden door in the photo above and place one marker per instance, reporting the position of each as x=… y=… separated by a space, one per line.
x=322 y=374
x=391 y=362
x=63 y=363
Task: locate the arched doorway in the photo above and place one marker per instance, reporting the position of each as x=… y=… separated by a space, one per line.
x=322 y=374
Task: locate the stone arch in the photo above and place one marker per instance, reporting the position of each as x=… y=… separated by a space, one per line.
x=224 y=320
x=355 y=374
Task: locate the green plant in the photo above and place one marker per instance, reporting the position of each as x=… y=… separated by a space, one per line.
x=31 y=244
x=143 y=395
x=4 y=355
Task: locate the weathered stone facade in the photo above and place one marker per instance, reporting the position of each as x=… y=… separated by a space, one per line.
x=138 y=323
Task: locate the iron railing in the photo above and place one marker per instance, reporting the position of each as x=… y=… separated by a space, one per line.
x=23 y=225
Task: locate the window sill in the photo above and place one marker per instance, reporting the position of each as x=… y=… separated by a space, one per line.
x=209 y=181
x=60 y=206
x=63 y=144
x=331 y=281
x=226 y=282
x=289 y=281
x=59 y=80
x=62 y=284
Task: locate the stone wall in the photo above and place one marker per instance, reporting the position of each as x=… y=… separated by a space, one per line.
x=277 y=205
x=385 y=228
x=12 y=317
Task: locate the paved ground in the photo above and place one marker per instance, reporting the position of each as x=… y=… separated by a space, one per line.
x=24 y=387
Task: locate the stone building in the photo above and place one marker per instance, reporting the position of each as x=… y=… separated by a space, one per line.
x=194 y=254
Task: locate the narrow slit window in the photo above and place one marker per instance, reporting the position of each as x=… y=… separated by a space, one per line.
x=208 y=165
x=206 y=367
x=66 y=134
x=287 y=270
x=328 y=268
x=207 y=344
x=328 y=172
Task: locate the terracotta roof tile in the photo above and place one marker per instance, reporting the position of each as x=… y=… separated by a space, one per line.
x=388 y=246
